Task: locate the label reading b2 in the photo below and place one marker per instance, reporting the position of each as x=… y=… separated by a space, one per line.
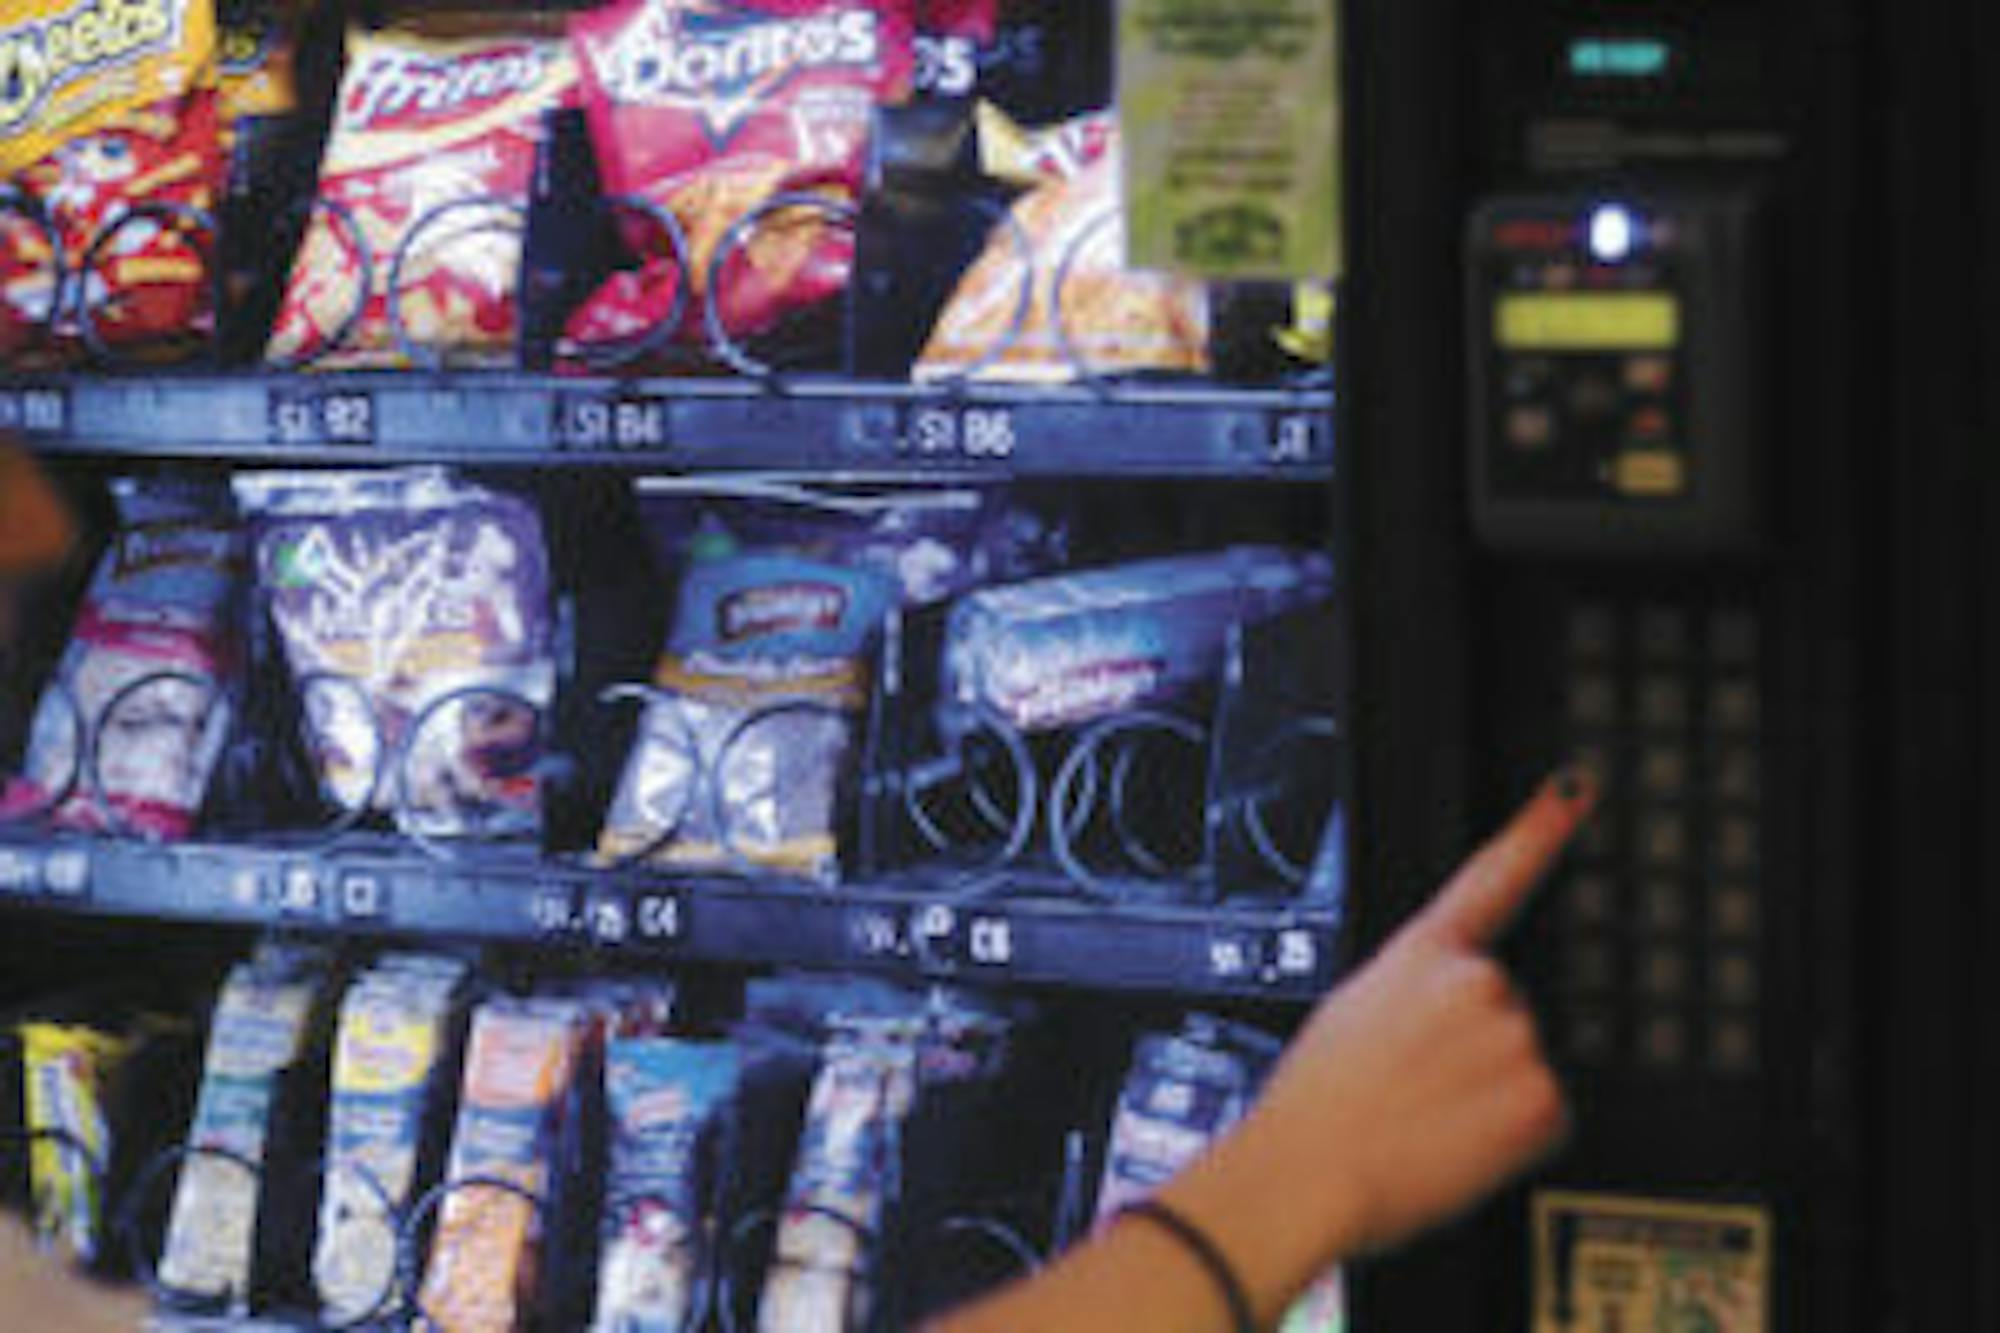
x=321 y=416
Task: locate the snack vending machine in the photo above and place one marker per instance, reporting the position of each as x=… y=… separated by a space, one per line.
x=733 y=662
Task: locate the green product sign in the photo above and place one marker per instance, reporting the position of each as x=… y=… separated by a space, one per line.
x=1230 y=118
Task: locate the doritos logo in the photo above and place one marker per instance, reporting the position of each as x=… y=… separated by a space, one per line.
x=720 y=63
x=406 y=86
x=40 y=58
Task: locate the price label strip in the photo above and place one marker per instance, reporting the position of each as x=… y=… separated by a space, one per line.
x=1230 y=125
x=315 y=416
x=611 y=421
x=35 y=410
x=1605 y=1261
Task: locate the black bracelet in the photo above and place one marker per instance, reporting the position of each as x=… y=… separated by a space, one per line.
x=1204 y=1249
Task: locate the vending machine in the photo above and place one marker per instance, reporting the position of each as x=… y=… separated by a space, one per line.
x=748 y=658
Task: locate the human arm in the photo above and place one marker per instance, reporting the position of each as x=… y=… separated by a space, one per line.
x=1411 y=1092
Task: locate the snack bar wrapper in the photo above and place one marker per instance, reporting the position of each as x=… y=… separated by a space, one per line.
x=520 y=1063
x=262 y=1029
x=149 y=678
x=665 y=1098
x=66 y=1069
x=105 y=106
x=394 y=1056
x=1050 y=300
x=847 y=1165
x=1075 y=647
x=432 y=148
x=392 y=591
x=709 y=110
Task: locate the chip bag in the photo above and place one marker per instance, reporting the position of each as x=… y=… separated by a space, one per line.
x=710 y=110
x=105 y=105
x=1051 y=300
x=431 y=152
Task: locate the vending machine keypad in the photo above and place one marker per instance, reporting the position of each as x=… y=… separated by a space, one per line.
x=1661 y=910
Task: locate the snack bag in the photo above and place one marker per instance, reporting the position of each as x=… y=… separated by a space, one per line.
x=520 y=1062
x=436 y=113
x=1063 y=247
x=393 y=1048
x=162 y=604
x=390 y=591
x=262 y=1028
x=106 y=105
x=65 y=1071
x=847 y=1165
x=710 y=109
x=663 y=1097
x=1074 y=647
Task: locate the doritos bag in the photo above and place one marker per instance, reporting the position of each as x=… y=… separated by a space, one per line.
x=1086 y=312
x=440 y=112
x=709 y=110
x=105 y=104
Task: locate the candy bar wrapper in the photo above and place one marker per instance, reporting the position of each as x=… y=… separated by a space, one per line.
x=847 y=1165
x=664 y=1098
x=163 y=603
x=66 y=1070
x=390 y=591
x=1076 y=647
x=1181 y=1094
x=105 y=105
x=521 y=1061
x=437 y=112
x=262 y=1028
x=394 y=1050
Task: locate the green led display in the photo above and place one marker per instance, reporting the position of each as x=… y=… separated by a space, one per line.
x=1619 y=57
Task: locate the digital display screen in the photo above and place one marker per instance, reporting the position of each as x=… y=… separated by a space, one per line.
x=1619 y=57
x=1587 y=321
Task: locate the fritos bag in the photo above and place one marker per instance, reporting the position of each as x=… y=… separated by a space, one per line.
x=105 y=104
x=435 y=113
x=1087 y=313
x=709 y=110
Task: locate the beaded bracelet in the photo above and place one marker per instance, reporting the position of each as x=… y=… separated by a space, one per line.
x=1198 y=1244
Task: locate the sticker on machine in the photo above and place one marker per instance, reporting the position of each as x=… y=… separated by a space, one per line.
x=1610 y=1263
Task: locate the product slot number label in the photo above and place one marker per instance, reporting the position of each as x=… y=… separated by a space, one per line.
x=611 y=422
x=34 y=411
x=659 y=918
x=970 y=434
x=1298 y=439
x=319 y=416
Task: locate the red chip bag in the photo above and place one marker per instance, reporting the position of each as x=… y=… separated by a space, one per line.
x=432 y=148
x=709 y=109
x=105 y=105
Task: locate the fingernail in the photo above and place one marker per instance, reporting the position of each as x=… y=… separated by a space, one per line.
x=1575 y=782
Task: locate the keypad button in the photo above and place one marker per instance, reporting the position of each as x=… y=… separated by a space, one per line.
x=1593 y=900
x=1663 y=772
x=1663 y=703
x=1593 y=700
x=1664 y=634
x=1734 y=912
x=1732 y=979
x=1594 y=399
x=1736 y=775
x=1663 y=841
x=1733 y=637
x=1597 y=839
x=1733 y=1046
x=1736 y=838
x=1734 y=705
x=1648 y=374
x=1663 y=974
x=1530 y=428
x=1663 y=1041
x=1590 y=1037
x=1663 y=906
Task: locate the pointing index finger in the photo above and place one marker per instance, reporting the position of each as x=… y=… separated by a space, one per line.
x=1476 y=905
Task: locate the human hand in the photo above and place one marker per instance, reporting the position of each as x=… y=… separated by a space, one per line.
x=1420 y=1084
